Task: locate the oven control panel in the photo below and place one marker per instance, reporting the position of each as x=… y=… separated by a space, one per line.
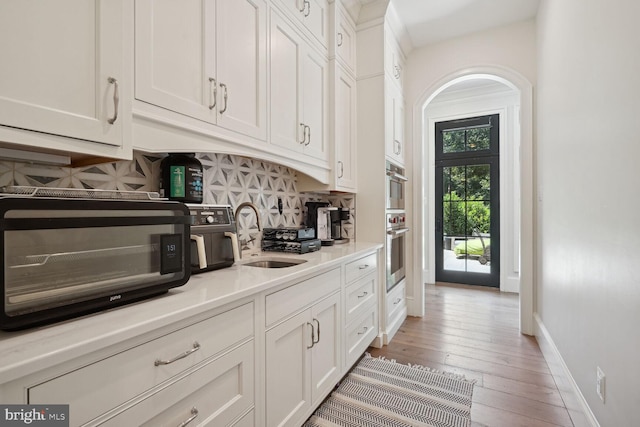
x=396 y=220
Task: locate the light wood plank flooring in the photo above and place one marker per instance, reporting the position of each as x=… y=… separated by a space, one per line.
x=473 y=330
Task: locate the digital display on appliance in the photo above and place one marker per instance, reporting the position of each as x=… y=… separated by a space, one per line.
x=170 y=253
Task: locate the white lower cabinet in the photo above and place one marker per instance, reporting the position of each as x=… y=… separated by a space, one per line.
x=198 y=360
x=395 y=311
x=361 y=306
x=213 y=395
x=302 y=353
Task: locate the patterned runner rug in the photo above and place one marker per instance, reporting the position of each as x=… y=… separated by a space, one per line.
x=379 y=392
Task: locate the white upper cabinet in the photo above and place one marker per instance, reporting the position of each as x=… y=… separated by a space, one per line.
x=205 y=59
x=63 y=71
x=394 y=62
x=298 y=92
x=312 y=14
x=394 y=104
x=344 y=42
x=345 y=131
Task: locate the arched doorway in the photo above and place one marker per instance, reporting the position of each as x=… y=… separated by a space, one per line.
x=424 y=190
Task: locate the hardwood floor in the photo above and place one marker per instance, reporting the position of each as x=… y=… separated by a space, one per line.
x=473 y=330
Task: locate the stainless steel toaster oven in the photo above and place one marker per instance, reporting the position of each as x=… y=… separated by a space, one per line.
x=67 y=253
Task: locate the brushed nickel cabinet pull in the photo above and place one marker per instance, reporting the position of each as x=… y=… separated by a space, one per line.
x=313 y=336
x=340 y=39
x=195 y=348
x=341 y=164
x=364 y=266
x=194 y=415
x=365 y=330
x=224 y=88
x=304 y=133
x=365 y=293
x=318 y=337
x=214 y=92
x=307 y=133
x=116 y=100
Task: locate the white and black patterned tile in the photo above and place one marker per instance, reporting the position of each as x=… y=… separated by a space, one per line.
x=228 y=180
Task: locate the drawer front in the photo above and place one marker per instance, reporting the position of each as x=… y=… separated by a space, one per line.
x=362 y=266
x=246 y=421
x=359 y=296
x=396 y=302
x=99 y=387
x=360 y=334
x=299 y=296
x=214 y=395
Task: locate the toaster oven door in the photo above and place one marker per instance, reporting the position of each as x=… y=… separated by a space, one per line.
x=70 y=255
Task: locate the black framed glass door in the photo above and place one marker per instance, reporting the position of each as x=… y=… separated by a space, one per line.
x=468 y=201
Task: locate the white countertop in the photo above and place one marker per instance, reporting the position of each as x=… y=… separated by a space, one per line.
x=31 y=350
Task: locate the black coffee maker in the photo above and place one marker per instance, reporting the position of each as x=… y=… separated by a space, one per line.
x=337 y=228
x=312 y=215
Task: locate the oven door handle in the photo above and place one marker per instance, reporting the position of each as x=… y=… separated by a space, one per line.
x=396 y=175
x=394 y=233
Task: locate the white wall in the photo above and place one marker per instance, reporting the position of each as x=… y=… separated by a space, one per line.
x=588 y=149
x=511 y=48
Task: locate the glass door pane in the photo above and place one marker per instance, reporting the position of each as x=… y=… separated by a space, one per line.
x=467 y=218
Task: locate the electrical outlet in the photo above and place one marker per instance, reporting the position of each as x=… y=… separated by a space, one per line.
x=600 y=383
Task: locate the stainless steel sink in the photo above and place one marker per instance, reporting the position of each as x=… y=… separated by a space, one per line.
x=275 y=263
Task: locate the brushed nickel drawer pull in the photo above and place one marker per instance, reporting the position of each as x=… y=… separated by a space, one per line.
x=366 y=328
x=363 y=295
x=194 y=415
x=195 y=348
x=397 y=301
x=362 y=267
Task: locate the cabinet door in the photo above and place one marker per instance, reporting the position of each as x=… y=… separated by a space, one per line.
x=62 y=67
x=242 y=66
x=286 y=56
x=398 y=126
x=394 y=122
x=314 y=80
x=345 y=40
x=316 y=19
x=325 y=356
x=345 y=130
x=175 y=61
x=288 y=391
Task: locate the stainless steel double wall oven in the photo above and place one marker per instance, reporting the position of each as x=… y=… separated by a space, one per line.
x=396 y=244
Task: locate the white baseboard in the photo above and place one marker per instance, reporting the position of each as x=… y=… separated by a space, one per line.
x=576 y=404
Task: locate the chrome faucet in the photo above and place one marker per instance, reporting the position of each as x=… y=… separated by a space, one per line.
x=237 y=215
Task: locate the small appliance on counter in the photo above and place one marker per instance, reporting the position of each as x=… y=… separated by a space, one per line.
x=292 y=240
x=338 y=216
x=214 y=241
x=68 y=252
x=318 y=216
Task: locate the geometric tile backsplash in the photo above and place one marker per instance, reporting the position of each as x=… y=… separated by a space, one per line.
x=228 y=180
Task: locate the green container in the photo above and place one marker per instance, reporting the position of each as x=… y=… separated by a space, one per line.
x=181 y=178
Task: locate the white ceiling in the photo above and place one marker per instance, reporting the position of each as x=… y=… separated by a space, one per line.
x=430 y=21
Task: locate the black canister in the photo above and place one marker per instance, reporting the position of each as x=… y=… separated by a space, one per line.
x=181 y=178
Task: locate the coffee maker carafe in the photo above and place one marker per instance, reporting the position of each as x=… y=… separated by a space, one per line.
x=337 y=229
